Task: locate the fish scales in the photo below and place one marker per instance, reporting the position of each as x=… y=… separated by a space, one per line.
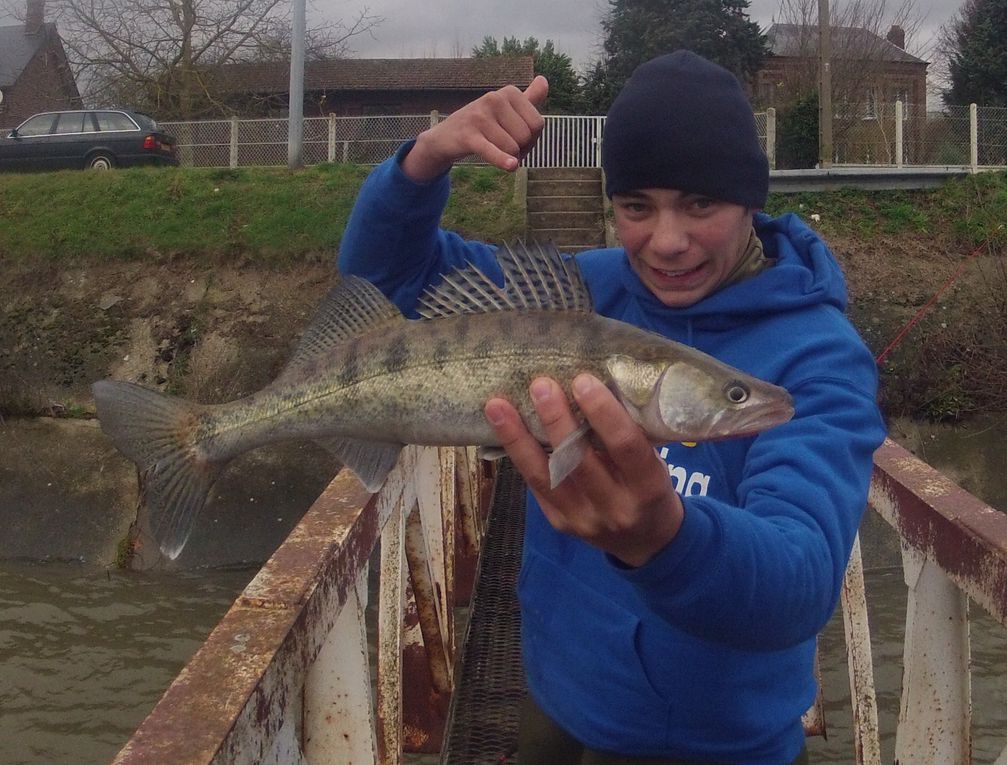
x=406 y=389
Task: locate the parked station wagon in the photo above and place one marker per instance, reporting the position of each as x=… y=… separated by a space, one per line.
x=99 y=139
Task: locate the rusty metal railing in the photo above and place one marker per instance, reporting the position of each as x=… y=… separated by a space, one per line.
x=954 y=549
x=285 y=677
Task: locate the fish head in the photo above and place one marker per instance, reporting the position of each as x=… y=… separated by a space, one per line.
x=699 y=399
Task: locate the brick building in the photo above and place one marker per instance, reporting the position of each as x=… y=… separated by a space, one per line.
x=34 y=73
x=866 y=68
x=359 y=87
x=869 y=74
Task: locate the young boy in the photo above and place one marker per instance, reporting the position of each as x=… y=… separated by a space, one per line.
x=669 y=606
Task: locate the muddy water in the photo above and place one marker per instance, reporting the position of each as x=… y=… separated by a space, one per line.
x=86 y=652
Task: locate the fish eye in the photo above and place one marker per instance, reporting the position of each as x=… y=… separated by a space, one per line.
x=736 y=392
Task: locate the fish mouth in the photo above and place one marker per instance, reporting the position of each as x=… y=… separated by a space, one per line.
x=750 y=421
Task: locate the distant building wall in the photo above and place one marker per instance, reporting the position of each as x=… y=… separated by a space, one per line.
x=41 y=87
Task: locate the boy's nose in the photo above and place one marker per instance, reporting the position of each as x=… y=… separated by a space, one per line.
x=670 y=236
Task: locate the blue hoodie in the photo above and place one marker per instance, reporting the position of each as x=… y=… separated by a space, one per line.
x=706 y=651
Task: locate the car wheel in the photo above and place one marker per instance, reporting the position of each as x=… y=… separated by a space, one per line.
x=100 y=161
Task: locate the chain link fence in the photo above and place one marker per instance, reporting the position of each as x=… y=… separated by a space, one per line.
x=876 y=135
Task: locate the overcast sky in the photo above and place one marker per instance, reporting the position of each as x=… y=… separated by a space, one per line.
x=421 y=28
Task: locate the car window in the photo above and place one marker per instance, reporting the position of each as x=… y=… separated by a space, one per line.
x=40 y=124
x=70 y=122
x=145 y=122
x=114 y=121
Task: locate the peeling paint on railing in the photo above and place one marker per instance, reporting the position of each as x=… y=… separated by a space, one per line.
x=954 y=548
x=285 y=677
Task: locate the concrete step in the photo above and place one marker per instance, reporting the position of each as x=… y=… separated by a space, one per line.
x=564 y=204
x=591 y=219
x=568 y=238
x=577 y=188
x=564 y=173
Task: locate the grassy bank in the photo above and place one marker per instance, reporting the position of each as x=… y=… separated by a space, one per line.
x=269 y=215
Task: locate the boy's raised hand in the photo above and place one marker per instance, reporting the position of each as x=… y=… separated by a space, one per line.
x=500 y=127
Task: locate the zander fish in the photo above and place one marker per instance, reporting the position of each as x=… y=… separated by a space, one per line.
x=365 y=381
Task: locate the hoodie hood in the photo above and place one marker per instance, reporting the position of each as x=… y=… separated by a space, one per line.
x=805 y=274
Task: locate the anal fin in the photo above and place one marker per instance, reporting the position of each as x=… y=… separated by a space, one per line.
x=491 y=453
x=370 y=461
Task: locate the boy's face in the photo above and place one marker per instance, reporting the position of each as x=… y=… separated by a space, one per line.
x=682 y=246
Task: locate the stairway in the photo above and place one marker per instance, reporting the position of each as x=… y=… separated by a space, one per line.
x=565 y=207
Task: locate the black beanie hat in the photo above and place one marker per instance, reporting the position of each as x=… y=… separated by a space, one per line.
x=682 y=122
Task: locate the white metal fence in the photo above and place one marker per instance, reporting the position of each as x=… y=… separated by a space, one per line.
x=890 y=135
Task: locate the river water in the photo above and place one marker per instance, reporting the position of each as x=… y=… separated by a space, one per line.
x=86 y=652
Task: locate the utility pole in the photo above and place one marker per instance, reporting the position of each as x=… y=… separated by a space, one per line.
x=824 y=85
x=295 y=111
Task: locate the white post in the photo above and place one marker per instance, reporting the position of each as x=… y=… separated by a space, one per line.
x=338 y=703
x=974 y=136
x=771 y=137
x=866 y=734
x=599 y=127
x=332 y=137
x=936 y=684
x=295 y=110
x=898 y=134
x=234 y=141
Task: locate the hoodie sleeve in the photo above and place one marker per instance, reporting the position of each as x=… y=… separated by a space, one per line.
x=765 y=572
x=393 y=238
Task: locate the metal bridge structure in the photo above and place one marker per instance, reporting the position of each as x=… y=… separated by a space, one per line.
x=294 y=673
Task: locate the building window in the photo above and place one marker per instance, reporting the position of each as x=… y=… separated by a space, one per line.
x=870 y=105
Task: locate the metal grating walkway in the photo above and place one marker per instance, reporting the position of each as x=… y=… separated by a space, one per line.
x=483 y=719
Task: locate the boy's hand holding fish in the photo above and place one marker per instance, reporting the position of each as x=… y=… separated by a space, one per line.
x=620 y=500
x=500 y=127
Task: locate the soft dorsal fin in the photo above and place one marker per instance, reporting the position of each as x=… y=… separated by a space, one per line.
x=350 y=308
x=536 y=277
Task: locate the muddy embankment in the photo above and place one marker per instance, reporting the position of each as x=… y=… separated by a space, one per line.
x=214 y=334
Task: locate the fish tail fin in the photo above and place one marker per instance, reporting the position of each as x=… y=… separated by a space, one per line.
x=161 y=434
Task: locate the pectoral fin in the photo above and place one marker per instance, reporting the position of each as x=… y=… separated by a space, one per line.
x=569 y=454
x=370 y=461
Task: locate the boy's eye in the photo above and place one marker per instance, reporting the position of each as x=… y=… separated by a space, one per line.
x=632 y=207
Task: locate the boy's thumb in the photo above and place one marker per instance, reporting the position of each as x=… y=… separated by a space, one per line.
x=538 y=90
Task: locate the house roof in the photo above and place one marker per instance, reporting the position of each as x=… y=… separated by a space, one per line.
x=797 y=40
x=380 y=74
x=17 y=49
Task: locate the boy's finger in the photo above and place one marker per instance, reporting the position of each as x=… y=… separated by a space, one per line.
x=553 y=409
x=625 y=444
x=525 y=452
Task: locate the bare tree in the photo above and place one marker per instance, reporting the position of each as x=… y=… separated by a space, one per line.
x=859 y=44
x=161 y=54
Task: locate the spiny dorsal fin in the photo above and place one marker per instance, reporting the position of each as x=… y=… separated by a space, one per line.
x=352 y=307
x=536 y=277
